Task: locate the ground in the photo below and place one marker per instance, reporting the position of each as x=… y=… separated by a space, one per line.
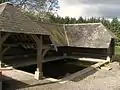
x=99 y=80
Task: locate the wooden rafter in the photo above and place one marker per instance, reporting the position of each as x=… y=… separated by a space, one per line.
x=35 y=38
x=45 y=52
x=4 y=37
x=10 y=45
x=4 y=50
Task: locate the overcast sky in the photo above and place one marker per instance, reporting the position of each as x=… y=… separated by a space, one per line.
x=89 y=8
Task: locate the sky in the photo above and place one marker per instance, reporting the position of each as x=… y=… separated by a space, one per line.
x=89 y=8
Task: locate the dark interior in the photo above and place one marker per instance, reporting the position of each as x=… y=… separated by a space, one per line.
x=59 y=69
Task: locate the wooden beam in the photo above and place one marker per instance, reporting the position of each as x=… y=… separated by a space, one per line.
x=10 y=45
x=5 y=50
x=5 y=69
x=0 y=50
x=39 y=54
x=45 y=52
x=35 y=38
x=19 y=56
x=66 y=35
x=4 y=37
x=45 y=46
x=86 y=59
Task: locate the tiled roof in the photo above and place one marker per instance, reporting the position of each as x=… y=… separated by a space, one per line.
x=12 y=19
x=90 y=35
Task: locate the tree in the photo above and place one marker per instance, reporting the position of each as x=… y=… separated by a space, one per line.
x=67 y=20
x=115 y=27
x=80 y=20
x=2 y=1
x=37 y=9
x=115 y=24
x=37 y=5
x=105 y=23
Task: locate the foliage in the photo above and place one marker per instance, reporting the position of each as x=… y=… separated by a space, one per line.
x=37 y=5
x=2 y=1
x=37 y=10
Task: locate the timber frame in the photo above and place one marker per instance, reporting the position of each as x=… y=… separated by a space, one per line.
x=40 y=47
x=38 y=40
x=3 y=38
x=40 y=55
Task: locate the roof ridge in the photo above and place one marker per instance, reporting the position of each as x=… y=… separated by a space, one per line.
x=84 y=24
x=4 y=5
x=109 y=31
x=66 y=35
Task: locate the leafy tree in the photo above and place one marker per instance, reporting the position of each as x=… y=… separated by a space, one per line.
x=37 y=5
x=80 y=20
x=38 y=10
x=67 y=20
x=115 y=27
x=2 y=1
x=115 y=24
x=105 y=23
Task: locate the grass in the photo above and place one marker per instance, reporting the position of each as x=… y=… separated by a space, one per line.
x=117 y=50
x=117 y=54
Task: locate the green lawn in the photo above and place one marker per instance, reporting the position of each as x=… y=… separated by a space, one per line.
x=116 y=57
x=117 y=50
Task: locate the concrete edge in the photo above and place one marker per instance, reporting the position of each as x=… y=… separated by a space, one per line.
x=71 y=76
x=82 y=72
x=24 y=72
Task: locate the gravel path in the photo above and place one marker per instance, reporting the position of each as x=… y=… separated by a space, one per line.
x=100 y=80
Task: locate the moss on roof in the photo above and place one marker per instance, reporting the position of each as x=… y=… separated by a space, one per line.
x=57 y=33
x=91 y=35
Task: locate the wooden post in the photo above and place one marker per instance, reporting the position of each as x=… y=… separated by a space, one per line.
x=38 y=72
x=112 y=46
x=108 y=54
x=0 y=50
